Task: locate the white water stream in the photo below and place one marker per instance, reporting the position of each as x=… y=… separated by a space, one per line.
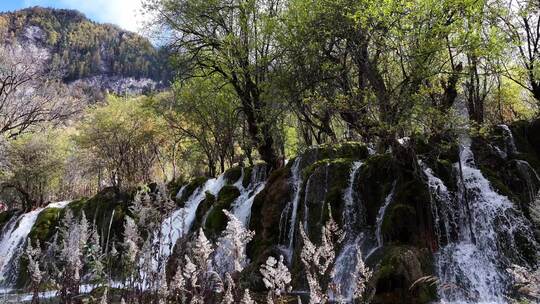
x=241 y=208
x=343 y=278
x=181 y=220
x=471 y=266
x=288 y=216
x=14 y=238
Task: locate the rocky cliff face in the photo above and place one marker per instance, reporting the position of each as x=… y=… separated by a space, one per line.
x=89 y=55
x=428 y=212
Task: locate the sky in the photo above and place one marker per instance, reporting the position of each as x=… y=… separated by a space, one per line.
x=124 y=13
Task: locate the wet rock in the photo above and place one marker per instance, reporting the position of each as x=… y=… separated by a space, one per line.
x=400 y=268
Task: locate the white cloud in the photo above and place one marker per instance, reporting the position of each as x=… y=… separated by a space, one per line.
x=124 y=13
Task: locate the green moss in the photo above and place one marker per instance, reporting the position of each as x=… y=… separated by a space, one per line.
x=343 y=162
x=233 y=174
x=498 y=184
x=266 y=209
x=202 y=210
x=398 y=220
x=46 y=225
x=247 y=176
x=400 y=267
x=376 y=177
x=174 y=186
x=216 y=220
x=444 y=169
x=107 y=208
x=190 y=188
x=352 y=150
x=326 y=182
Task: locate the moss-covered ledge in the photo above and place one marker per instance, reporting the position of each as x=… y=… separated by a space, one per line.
x=216 y=220
x=400 y=268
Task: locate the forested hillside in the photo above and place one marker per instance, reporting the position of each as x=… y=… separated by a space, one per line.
x=82 y=48
x=305 y=151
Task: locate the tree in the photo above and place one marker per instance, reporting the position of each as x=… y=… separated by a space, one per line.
x=30 y=94
x=35 y=168
x=520 y=20
x=122 y=136
x=204 y=112
x=234 y=40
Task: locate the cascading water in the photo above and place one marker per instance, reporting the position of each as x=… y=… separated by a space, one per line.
x=223 y=262
x=342 y=274
x=532 y=180
x=442 y=205
x=309 y=193
x=181 y=192
x=380 y=215
x=181 y=220
x=14 y=237
x=471 y=267
x=380 y=218
x=242 y=205
x=288 y=216
x=508 y=139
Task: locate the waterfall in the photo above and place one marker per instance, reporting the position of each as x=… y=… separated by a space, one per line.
x=471 y=266
x=508 y=139
x=342 y=274
x=181 y=192
x=381 y=214
x=14 y=237
x=349 y=214
x=241 y=207
x=442 y=205
x=379 y=220
x=532 y=180
x=181 y=220
x=287 y=224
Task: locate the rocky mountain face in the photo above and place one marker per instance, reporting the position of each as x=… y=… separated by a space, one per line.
x=438 y=219
x=87 y=54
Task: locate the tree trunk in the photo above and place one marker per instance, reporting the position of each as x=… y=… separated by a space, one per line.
x=258 y=128
x=536 y=90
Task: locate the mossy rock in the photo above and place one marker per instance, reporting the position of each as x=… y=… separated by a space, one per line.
x=440 y=153
x=216 y=220
x=440 y=146
x=46 y=225
x=497 y=181
x=352 y=150
x=506 y=175
x=202 y=210
x=327 y=181
x=527 y=139
x=107 y=209
x=400 y=268
x=190 y=189
x=266 y=212
x=348 y=150
x=174 y=187
x=247 y=176
x=398 y=222
x=233 y=174
x=375 y=180
x=408 y=218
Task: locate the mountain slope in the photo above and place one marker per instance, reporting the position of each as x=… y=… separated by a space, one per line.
x=83 y=48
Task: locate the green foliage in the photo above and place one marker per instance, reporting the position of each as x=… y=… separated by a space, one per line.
x=203 y=111
x=36 y=165
x=122 y=137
